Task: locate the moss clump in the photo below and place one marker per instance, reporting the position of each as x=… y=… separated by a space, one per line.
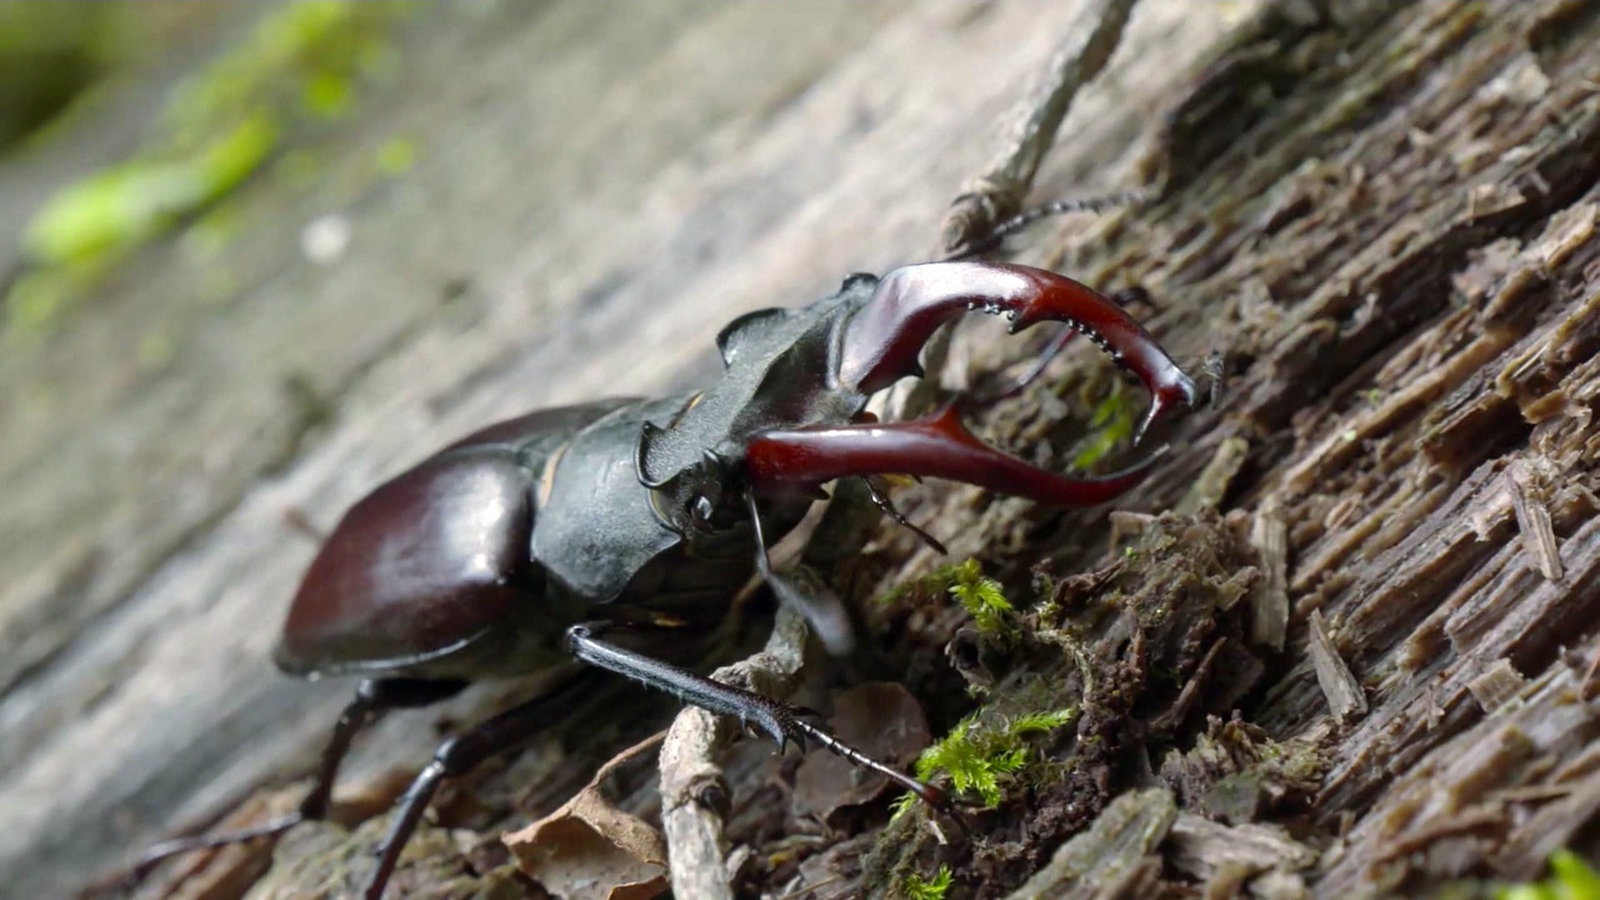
x=916 y=887
x=976 y=757
x=983 y=599
x=129 y=203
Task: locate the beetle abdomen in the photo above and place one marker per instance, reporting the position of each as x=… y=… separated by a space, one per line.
x=420 y=568
x=427 y=570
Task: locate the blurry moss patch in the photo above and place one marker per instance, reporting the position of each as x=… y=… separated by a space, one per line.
x=397 y=156
x=918 y=888
x=1571 y=878
x=304 y=59
x=127 y=204
x=41 y=296
x=302 y=63
x=211 y=233
x=1112 y=423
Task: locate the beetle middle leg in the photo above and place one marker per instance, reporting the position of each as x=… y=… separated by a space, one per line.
x=461 y=754
x=784 y=723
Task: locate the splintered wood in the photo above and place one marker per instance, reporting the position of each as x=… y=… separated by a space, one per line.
x=1269 y=618
x=1528 y=501
x=1399 y=257
x=1342 y=689
x=1440 y=507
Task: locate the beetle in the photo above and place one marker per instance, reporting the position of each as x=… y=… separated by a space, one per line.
x=615 y=532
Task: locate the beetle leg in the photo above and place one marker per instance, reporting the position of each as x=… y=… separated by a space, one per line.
x=373 y=698
x=969 y=239
x=784 y=723
x=460 y=755
x=939 y=446
x=881 y=342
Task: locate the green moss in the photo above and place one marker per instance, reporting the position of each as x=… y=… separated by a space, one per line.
x=918 y=888
x=982 y=598
x=127 y=204
x=1113 y=423
x=974 y=761
x=328 y=95
x=978 y=758
x=1039 y=723
x=301 y=63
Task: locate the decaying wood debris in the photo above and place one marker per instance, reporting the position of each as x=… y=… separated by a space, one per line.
x=1386 y=216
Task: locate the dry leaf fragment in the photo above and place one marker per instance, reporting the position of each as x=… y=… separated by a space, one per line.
x=882 y=720
x=590 y=850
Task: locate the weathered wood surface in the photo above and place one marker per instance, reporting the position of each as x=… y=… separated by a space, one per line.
x=1383 y=213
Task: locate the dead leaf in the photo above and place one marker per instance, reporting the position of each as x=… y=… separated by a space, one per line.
x=883 y=721
x=590 y=850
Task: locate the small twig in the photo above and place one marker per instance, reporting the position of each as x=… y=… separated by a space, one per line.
x=1000 y=191
x=694 y=793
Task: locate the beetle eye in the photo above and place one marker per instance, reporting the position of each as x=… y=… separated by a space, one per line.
x=702 y=509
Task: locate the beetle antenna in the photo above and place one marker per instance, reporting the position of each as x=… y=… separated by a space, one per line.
x=763 y=558
x=881 y=498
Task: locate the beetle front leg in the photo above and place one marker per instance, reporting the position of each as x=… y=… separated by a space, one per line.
x=784 y=723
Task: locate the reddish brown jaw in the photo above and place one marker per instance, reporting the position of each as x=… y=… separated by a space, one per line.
x=937 y=446
x=882 y=342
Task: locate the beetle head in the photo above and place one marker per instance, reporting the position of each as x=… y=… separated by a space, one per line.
x=706 y=496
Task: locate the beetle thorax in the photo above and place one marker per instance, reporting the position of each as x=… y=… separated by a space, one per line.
x=781 y=373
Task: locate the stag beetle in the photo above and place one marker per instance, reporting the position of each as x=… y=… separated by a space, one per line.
x=615 y=532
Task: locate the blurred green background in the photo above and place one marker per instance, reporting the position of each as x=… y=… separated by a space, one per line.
x=288 y=70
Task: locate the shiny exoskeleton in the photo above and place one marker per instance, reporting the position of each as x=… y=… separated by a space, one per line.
x=517 y=548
